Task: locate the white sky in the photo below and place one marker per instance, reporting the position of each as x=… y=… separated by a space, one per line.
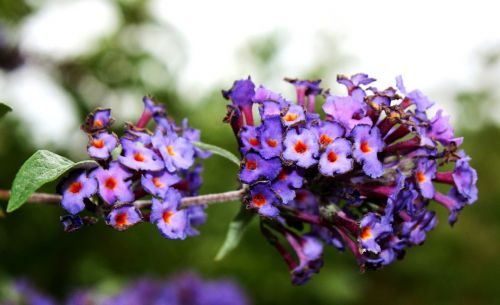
x=434 y=44
x=430 y=42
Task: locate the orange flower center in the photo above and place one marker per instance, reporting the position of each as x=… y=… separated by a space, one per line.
x=98 y=143
x=139 y=157
x=421 y=177
x=290 y=117
x=300 y=147
x=121 y=219
x=254 y=141
x=332 y=156
x=110 y=183
x=167 y=216
x=367 y=233
x=170 y=150
x=365 y=148
x=325 y=139
x=251 y=165
x=259 y=200
x=75 y=187
x=301 y=196
x=157 y=182
x=98 y=123
x=272 y=143
x=282 y=175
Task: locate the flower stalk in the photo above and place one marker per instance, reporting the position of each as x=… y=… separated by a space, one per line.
x=45 y=198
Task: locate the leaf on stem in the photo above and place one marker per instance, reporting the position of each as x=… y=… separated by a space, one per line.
x=218 y=151
x=42 y=167
x=235 y=232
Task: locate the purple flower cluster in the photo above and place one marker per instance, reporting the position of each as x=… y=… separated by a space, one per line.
x=158 y=164
x=360 y=176
x=182 y=289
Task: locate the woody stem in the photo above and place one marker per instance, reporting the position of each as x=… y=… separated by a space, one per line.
x=44 y=198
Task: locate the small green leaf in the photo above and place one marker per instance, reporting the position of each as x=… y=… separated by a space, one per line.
x=218 y=151
x=235 y=232
x=4 y=109
x=115 y=153
x=42 y=167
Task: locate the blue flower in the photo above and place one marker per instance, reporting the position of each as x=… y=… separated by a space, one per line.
x=75 y=189
x=123 y=217
x=367 y=144
x=165 y=214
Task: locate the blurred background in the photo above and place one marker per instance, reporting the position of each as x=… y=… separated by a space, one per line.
x=61 y=59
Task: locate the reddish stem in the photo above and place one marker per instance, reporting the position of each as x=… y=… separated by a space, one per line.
x=386 y=125
x=144 y=119
x=311 y=99
x=444 y=177
x=400 y=132
x=410 y=144
x=247 y=112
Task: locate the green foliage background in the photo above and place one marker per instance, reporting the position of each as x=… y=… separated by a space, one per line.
x=457 y=265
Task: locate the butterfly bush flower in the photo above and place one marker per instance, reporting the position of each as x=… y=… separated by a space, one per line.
x=250 y=138
x=465 y=179
x=158 y=183
x=285 y=184
x=97 y=121
x=123 y=217
x=335 y=159
x=177 y=152
x=241 y=94
x=416 y=97
x=137 y=157
x=293 y=115
x=360 y=176
x=165 y=213
x=263 y=199
x=373 y=227
x=439 y=130
x=309 y=250
x=301 y=147
x=353 y=84
x=255 y=167
x=425 y=172
x=415 y=230
x=327 y=131
x=75 y=189
x=271 y=132
x=159 y=165
x=114 y=183
x=367 y=144
x=101 y=145
x=346 y=111
x=71 y=222
x=186 y=288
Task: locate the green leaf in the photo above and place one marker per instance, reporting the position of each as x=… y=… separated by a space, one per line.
x=235 y=232
x=218 y=151
x=42 y=167
x=115 y=153
x=4 y=109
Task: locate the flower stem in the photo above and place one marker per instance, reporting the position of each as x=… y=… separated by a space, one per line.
x=38 y=198
x=44 y=198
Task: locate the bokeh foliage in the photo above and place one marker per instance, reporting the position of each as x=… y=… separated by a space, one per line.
x=456 y=266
